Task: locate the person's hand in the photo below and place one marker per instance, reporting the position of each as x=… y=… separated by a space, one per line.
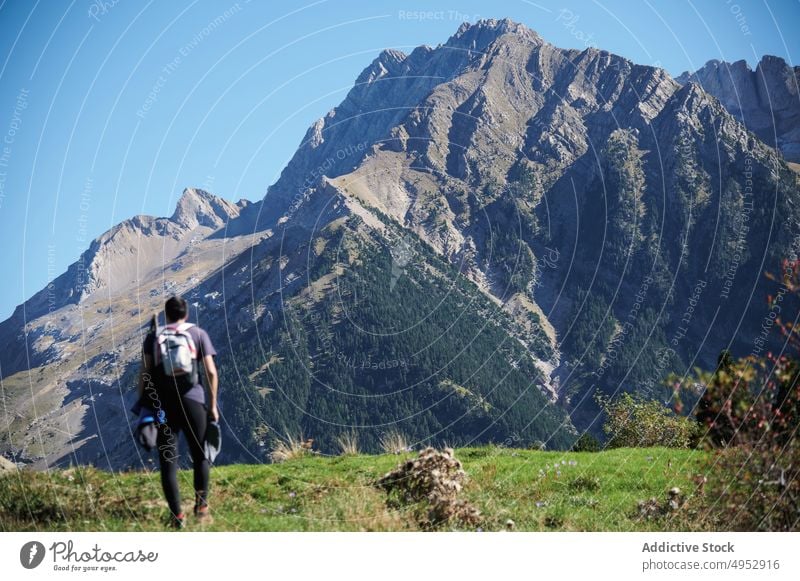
x=213 y=413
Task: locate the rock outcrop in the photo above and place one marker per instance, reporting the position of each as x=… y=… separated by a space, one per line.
x=766 y=100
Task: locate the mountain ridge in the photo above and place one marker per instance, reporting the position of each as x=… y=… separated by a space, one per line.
x=766 y=99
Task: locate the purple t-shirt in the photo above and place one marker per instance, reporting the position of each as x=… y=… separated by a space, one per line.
x=204 y=347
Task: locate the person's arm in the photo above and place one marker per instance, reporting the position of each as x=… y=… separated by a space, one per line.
x=147 y=358
x=147 y=365
x=213 y=384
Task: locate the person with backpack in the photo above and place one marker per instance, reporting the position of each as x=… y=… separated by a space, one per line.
x=170 y=385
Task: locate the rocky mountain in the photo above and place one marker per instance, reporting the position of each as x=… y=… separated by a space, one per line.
x=478 y=240
x=69 y=353
x=766 y=100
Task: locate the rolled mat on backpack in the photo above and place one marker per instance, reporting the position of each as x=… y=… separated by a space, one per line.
x=147 y=429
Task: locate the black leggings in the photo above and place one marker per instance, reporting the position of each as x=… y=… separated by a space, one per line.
x=191 y=418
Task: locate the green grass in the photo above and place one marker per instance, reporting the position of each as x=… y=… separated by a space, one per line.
x=539 y=491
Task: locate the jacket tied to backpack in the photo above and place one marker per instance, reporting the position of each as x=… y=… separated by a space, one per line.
x=176 y=353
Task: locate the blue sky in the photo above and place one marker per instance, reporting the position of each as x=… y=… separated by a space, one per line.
x=109 y=108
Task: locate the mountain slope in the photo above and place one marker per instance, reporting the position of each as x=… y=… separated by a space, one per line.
x=351 y=339
x=649 y=190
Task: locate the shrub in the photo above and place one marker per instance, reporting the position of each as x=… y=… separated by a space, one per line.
x=586 y=443
x=750 y=412
x=745 y=399
x=635 y=422
x=754 y=488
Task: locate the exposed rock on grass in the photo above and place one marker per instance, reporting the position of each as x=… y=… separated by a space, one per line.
x=653 y=508
x=6 y=466
x=431 y=483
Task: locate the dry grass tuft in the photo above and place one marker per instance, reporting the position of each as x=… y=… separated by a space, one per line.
x=348 y=444
x=290 y=448
x=394 y=442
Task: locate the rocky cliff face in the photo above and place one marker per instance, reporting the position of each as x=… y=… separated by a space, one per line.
x=766 y=100
x=476 y=241
x=642 y=187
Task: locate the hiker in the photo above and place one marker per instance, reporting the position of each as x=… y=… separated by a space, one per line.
x=170 y=385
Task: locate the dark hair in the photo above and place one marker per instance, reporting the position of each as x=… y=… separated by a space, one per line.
x=175 y=308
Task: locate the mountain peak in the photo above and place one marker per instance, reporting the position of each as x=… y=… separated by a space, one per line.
x=499 y=26
x=392 y=55
x=387 y=63
x=481 y=34
x=771 y=64
x=197 y=207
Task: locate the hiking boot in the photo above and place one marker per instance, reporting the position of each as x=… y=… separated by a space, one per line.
x=201 y=513
x=177 y=521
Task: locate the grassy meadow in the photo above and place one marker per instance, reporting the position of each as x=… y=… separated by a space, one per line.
x=538 y=491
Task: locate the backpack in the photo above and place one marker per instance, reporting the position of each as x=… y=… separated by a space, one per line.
x=175 y=352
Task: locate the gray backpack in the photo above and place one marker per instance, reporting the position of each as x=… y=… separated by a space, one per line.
x=176 y=352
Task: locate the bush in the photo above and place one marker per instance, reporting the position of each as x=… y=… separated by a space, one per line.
x=749 y=414
x=586 y=443
x=754 y=488
x=538 y=445
x=747 y=399
x=635 y=422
